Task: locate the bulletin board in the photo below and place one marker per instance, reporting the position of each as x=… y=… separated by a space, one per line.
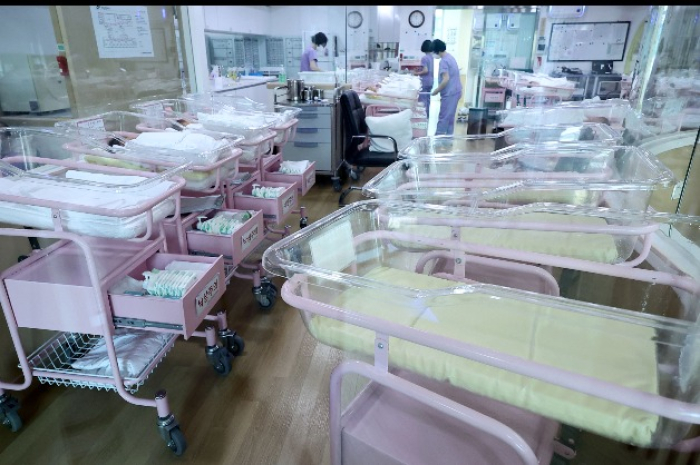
x=588 y=41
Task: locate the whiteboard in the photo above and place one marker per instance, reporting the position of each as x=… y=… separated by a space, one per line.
x=588 y=41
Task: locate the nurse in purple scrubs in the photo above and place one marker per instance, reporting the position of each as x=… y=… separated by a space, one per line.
x=449 y=87
x=309 y=59
x=426 y=74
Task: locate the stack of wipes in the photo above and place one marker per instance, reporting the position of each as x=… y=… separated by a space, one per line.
x=169 y=283
x=266 y=192
x=135 y=349
x=293 y=167
x=224 y=223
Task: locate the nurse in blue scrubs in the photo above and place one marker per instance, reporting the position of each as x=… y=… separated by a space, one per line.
x=449 y=87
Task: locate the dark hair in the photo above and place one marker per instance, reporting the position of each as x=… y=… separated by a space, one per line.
x=319 y=39
x=439 y=46
x=427 y=46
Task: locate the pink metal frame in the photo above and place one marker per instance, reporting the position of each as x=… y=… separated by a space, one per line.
x=57 y=206
x=103 y=310
x=294 y=293
x=440 y=403
x=221 y=166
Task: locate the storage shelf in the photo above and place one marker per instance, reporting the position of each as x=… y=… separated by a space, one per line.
x=51 y=363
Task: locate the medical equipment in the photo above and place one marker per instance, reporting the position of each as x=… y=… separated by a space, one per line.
x=592 y=175
x=255 y=127
x=262 y=149
x=213 y=155
x=44 y=185
x=107 y=334
x=265 y=134
x=498 y=319
x=534 y=90
x=242 y=249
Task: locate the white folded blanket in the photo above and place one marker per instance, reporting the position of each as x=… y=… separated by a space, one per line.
x=178 y=140
x=134 y=349
x=105 y=196
x=84 y=195
x=293 y=167
x=234 y=120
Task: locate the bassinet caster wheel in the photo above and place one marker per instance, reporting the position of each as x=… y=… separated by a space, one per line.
x=268 y=286
x=266 y=296
x=336 y=183
x=232 y=341
x=171 y=433
x=8 y=412
x=177 y=442
x=303 y=222
x=220 y=358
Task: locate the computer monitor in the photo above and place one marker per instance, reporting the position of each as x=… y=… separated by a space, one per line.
x=601 y=67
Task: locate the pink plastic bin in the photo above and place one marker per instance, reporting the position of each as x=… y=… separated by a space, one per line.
x=268 y=160
x=187 y=312
x=233 y=247
x=52 y=289
x=274 y=209
x=232 y=188
x=303 y=181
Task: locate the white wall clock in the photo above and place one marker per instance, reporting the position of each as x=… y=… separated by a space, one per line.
x=354 y=19
x=416 y=18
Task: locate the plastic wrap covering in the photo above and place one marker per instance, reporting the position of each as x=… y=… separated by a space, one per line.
x=212 y=116
x=593 y=175
x=611 y=112
x=213 y=155
x=448 y=146
x=238 y=102
x=519 y=305
x=45 y=183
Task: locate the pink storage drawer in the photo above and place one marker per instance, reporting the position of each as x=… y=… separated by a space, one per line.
x=233 y=247
x=269 y=160
x=274 y=209
x=187 y=312
x=232 y=188
x=303 y=181
x=51 y=289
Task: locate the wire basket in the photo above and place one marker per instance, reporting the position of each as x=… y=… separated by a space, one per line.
x=52 y=361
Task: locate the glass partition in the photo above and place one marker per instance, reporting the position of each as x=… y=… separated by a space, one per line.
x=666 y=96
x=72 y=61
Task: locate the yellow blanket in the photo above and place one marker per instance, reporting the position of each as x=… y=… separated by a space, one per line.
x=595 y=247
x=605 y=349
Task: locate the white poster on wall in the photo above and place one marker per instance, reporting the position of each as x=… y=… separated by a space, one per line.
x=122 y=31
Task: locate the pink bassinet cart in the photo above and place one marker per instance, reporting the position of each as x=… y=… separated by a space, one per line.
x=107 y=221
x=377 y=280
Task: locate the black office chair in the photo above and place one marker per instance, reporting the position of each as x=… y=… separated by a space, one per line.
x=356 y=153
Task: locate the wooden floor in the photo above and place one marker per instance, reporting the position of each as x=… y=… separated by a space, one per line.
x=271 y=409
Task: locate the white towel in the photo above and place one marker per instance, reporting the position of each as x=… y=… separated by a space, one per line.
x=293 y=167
x=187 y=141
x=107 y=195
x=134 y=349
